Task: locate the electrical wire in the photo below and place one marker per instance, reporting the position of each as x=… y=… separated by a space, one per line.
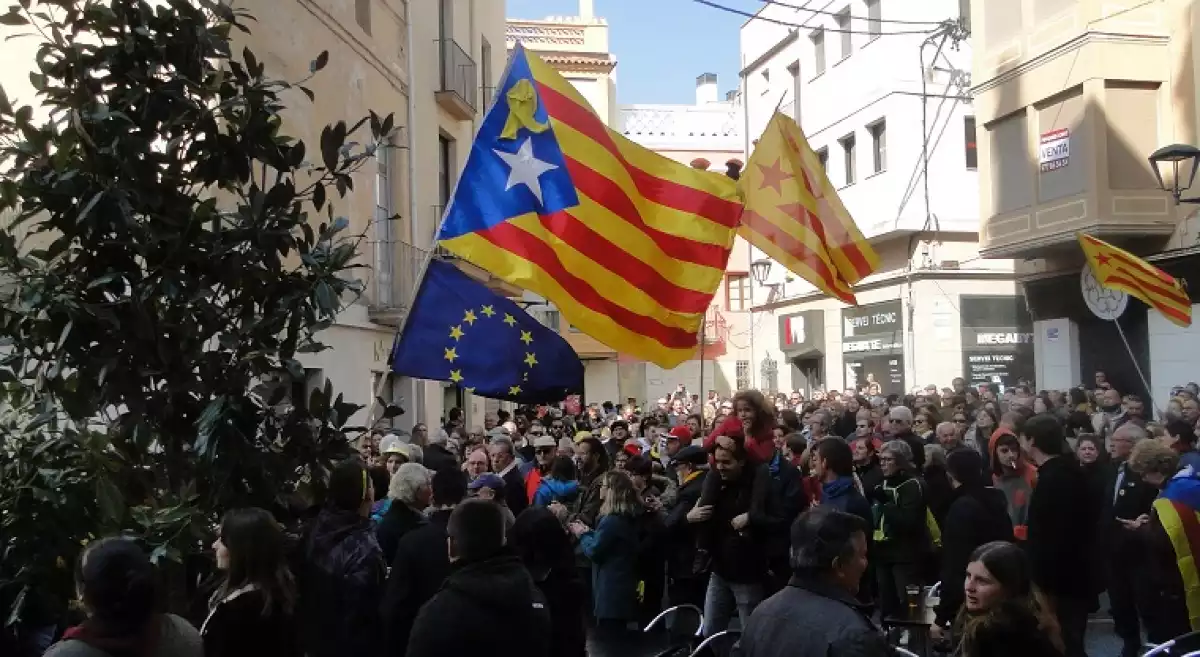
x=747 y=14
x=822 y=12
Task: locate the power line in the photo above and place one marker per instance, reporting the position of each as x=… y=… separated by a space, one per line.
x=731 y=10
x=822 y=12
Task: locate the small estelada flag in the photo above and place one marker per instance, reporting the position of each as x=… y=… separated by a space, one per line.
x=1117 y=269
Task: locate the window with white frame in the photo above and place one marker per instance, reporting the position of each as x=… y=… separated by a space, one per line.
x=818 y=44
x=843 y=23
x=849 y=157
x=878 y=132
x=874 y=20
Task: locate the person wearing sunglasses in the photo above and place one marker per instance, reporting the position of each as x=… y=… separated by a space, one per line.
x=900 y=426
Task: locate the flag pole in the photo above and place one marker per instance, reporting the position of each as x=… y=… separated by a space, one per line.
x=1136 y=366
x=429 y=255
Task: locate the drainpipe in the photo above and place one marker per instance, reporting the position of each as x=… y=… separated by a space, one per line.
x=417 y=408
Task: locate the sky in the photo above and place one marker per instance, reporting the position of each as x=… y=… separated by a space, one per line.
x=661 y=45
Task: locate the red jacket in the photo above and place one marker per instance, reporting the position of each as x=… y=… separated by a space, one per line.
x=760 y=448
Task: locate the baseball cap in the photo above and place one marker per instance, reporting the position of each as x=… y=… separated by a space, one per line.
x=545 y=441
x=693 y=454
x=582 y=435
x=632 y=449
x=487 y=480
x=681 y=433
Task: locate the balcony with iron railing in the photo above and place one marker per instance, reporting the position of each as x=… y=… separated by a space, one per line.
x=392 y=279
x=458 y=88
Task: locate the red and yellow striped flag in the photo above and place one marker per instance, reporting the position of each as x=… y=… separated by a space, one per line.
x=795 y=216
x=629 y=245
x=1120 y=270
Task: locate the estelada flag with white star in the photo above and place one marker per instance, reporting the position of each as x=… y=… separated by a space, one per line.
x=1118 y=269
x=794 y=215
x=460 y=331
x=628 y=244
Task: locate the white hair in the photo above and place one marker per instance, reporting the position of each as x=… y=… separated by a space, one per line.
x=900 y=450
x=901 y=413
x=409 y=479
x=439 y=438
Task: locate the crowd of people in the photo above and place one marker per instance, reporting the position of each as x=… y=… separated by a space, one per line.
x=808 y=525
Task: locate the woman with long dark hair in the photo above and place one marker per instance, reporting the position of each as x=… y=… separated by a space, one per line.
x=545 y=548
x=251 y=611
x=612 y=547
x=1002 y=614
x=118 y=587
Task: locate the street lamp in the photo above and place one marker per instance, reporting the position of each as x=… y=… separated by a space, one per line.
x=759 y=269
x=1175 y=154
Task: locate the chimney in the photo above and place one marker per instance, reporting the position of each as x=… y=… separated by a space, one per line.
x=706 y=89
x=587 y=9
x=731 y=95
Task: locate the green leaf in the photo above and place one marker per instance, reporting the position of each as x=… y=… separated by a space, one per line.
x=110 y=500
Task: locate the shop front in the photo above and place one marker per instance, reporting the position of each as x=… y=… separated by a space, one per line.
x=997 y=340
x=802 y=342
x=873 y=348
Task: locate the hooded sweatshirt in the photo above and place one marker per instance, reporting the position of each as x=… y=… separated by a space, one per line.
x=1017 y=485
x=496 y=595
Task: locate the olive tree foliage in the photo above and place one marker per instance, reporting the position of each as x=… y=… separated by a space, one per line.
x=166 y=254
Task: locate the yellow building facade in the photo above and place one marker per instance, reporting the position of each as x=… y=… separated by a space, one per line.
x=1071 y=99
x=433 y=64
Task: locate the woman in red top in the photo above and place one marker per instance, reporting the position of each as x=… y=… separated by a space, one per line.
x=754 y=420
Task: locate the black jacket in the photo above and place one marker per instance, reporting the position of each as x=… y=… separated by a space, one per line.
x=418 y=571
x=680 y=535
x=741 y=556
x=514 y=491
x=490 y=607
x=916 y=445
x=1133 y=499
x=902 y=515
x=341 y=582
x=787 y=495
x=566 y=599
x=399 y=520
x=1062 y=518
x=976 y=516
x=811 y=618
x=437 y=457
x=938 y=493
x=871 y=475
x=237 y=627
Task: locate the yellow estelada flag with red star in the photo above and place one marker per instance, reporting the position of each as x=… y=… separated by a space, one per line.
x=793 y=214
x=1117 y=269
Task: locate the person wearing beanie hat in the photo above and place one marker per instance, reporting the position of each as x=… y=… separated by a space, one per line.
x=978 y=514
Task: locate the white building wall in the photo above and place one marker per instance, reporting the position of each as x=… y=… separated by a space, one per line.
x=1056 y=352
x=881 y=79
x=1174 y=359
x=601 y=381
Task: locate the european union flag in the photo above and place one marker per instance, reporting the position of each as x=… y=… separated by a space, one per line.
x=460 y=331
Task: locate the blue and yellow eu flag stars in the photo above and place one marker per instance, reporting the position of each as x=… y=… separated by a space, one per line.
x=460 y=331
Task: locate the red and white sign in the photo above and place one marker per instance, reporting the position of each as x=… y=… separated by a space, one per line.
x=1054 y=150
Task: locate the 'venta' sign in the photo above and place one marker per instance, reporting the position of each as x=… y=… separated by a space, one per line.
x=1054 y=151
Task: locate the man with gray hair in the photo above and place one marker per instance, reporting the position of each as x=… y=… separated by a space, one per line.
x=900 y=421
x=817 y=613
x=505 y=465
x=1127 y=504
x=410 y=490
x=437 y=454
x=947 y=436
